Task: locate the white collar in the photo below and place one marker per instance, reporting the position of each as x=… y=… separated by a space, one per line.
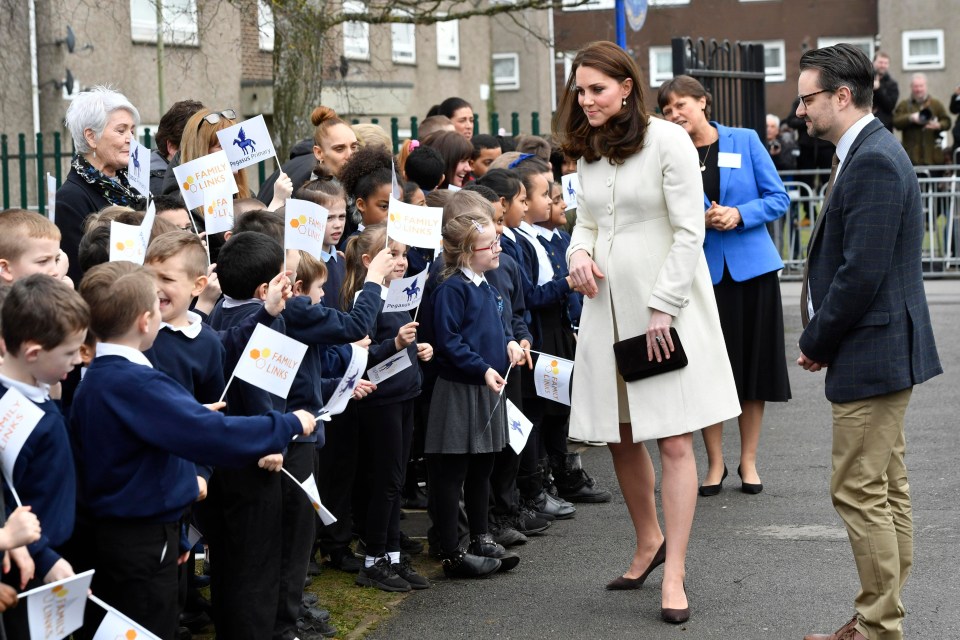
x=329 y=255
x=36 y=394
x=507 y=231
x=192 y=330
x=230 y=303
x=850 y=135
x=527 y=229
x=475 y=278
x=543 y=232
x=131 y=354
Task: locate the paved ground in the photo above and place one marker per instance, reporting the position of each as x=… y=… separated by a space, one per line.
x=776 y=565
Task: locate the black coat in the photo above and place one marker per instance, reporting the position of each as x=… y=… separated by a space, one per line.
x=885 y=100
x=76 y=199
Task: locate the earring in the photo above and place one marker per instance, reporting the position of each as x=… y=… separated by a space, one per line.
x=624 y=101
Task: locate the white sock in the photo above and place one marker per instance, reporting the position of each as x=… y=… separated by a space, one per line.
x=368 y=561
x=394 y=557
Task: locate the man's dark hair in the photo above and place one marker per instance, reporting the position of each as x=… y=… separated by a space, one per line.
x=169 y=202
x=425 y=167
x=483 y=141
x=171 y=124
x=246 y=261
x=843 y=65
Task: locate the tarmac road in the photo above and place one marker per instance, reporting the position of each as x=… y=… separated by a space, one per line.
x=776 y=565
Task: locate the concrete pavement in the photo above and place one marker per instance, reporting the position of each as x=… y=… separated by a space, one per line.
x=776 y=565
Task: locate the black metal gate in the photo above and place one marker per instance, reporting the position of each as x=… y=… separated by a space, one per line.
x=732 y=73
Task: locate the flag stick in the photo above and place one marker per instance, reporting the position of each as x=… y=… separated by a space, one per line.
x=279 y=168
x=289 y=475
x=94 y=599
x=499 y=398
x=415 y=313
x=224 y=395
x=16 y=496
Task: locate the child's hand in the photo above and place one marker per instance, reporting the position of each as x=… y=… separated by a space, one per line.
x=381 y=266
x=406 y=336
x=8 y=597
x=282 y=189
x=60 y=570
x=424 y=352
x=215 y=406
x=527 y=356
x=515 y=353
x=493 y=380
x=278 y=291
x=307 y=420
x=21 y=558
x=63 y=265
x=207 y=299
x=22 y=528
x=201 y=489
x=365 y=343
x=274 y=461
x=364 y=388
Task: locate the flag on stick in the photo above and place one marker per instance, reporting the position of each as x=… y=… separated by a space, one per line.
x=551 y=376
x=55 y=610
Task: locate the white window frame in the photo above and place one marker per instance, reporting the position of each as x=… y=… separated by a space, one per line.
x=507 y=83
x=403 y=41
x=180 y=20
x=659 y=76
x=590 y=5
x=921 y=63
x=265 y=25
x=448 y=55
x=356 y=35
x=858 y=41
x=778 y=73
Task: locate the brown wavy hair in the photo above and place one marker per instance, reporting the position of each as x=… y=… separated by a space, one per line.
x=686 y=87
x=623 y=134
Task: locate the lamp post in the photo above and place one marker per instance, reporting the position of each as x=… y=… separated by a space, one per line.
x=621 y=19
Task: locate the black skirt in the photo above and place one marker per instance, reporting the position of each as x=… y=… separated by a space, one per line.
x=751 y=315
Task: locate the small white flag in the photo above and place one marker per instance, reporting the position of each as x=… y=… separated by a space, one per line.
x=389 y=367
x=571 y=187
x=118 y=627
x=51 y=198
x=204 y=173
x=193 y=536
x=309 y=487
x=518 y=427
x=405 y=293
x=55 y=610
x=358 y=364
x=394 y=185
x=247 y=143
x=304 y=226
x=217 y=209
x=453 y=187
x=146 y=227
x=138 y=167
x=551 y=376
x=414 y=226
x=125 y=243
x=270 y=361
x=18 y=418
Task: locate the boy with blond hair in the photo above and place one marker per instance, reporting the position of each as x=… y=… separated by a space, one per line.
x=29 y=243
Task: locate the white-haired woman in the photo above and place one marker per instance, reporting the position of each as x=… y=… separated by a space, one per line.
x=101 y=122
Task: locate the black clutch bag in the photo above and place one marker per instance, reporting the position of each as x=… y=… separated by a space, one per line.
x=631 y=356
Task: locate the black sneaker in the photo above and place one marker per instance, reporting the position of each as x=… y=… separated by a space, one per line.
x=314 y=614
x=311 y=630
x=345 y=561
x=382 y=576
x=529 y=523
x=504 y=534
x=409 y=545
x=406 y=571
x=576 y=485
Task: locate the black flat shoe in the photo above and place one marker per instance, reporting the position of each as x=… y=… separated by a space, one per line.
x=709 y=490
x=625 y=584
x=749 y=487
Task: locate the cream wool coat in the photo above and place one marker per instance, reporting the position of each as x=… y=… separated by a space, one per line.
x=642 y=222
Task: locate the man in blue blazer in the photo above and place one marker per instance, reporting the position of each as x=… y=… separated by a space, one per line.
x=867 y=323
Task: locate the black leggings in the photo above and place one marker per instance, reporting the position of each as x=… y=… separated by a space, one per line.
x=448 y=474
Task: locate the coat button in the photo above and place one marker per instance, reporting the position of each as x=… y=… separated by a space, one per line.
x=609 y=182
x=609 y=207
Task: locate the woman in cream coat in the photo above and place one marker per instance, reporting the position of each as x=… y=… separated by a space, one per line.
x=637 y=253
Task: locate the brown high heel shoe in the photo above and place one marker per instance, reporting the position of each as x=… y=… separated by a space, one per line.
x=624 y=584
x=676 y=616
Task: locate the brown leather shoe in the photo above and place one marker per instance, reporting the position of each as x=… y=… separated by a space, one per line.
x=846 y=632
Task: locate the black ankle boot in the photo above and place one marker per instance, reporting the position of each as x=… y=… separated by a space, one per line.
x=461 y=564
x=575 y=485
x=483 y=545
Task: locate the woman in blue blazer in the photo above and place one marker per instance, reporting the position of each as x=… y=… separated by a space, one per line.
x=742 y=193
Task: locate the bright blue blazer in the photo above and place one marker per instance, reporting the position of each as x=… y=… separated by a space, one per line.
x=757 y=192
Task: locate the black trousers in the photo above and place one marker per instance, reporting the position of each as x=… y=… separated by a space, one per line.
x=450 y=473
x=298 y=531
x=336 y=470
x=506 y=464
x=241 y=522
x=386 y=433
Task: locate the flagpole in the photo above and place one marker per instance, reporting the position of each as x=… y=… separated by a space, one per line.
x=499 y=398
x=224 y=395
x=289 y=475
x=16 y=496
x=415 y=313
x=94 y=599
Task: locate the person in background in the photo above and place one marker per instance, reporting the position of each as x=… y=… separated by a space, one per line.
x=368 y=133
x=955 y=108
x=921 y=118
x=460 y=113
x=783 y=151
x=456 y=153
x=886 y=92
x=169 y=132
x=486 y=149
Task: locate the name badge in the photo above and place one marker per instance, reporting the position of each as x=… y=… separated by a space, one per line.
x=728 y=160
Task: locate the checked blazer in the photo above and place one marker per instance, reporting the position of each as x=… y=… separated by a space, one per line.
x=871 y=323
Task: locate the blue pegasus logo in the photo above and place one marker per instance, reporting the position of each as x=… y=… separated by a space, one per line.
x=136 y=161
x=412 y=291
x=515 y=425
x=244 y=142
x=570 y=189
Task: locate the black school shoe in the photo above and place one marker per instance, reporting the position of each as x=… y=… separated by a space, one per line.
x=406 y=572
x=529 y=523
x=504 y=534
x=483 y=545
x=576 y=485
x=461 y=564
x=345 y=561
x=312 y=630
x=382 y=576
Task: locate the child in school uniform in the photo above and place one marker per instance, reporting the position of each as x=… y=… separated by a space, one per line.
x=386 y=419
x=467 y=423
x=327 y=192
x=136 y=435
x=559 y=240
x=367 y=178
x=44 y=323
x=29 y=243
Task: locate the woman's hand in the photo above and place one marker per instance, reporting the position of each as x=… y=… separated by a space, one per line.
x=659 y=342
x=722 y=218
x=584 y=272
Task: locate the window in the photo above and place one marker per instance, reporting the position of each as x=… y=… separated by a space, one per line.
x=506 y=71
x=179 y=21
x=774 y=60
x=661 y=65
x=356 y=35
x=589 y=5
x=923 y=50
x=864 y=44
x=448 y=43
x=404 y=41
x=265 y=25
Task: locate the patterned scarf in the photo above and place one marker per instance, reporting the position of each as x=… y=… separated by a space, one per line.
x=116 y=190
